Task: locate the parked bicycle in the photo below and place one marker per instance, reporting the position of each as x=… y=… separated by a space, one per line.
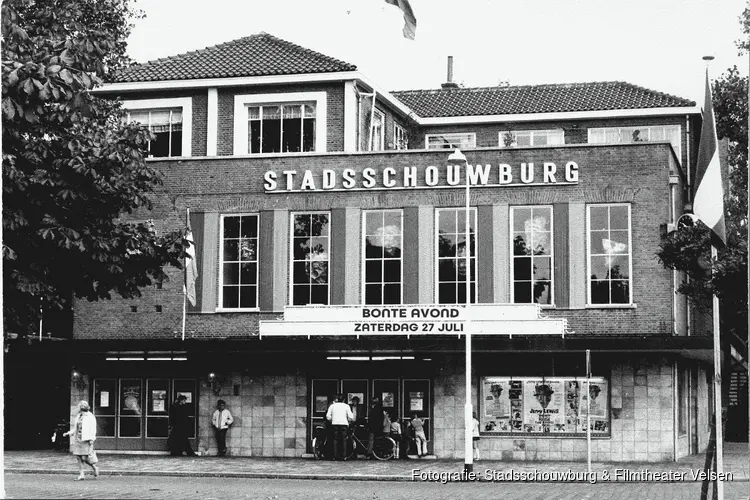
x=384 y=447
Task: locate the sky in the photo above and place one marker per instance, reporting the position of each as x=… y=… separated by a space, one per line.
x=658 y=44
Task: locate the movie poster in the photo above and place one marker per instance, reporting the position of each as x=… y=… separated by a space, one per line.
x=598 y=393
x=572 y=405
x=515 y=394
x=496 y=399
x=543 y=405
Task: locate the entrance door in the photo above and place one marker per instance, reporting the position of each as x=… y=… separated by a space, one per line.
x=133 y=413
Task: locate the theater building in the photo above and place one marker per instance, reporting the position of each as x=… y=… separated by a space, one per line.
x=330 y=230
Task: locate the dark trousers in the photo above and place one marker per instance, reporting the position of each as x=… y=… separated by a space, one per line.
x=221 y=441
x=339 y=441
x=180 y=442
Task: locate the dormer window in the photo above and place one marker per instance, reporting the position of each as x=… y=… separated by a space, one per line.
x=281 y=128
x=280 y=123
x=169 y=120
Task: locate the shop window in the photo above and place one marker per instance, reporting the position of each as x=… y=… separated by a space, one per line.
x=544 y=406
x=451 y=141
x=281 y=128
x=621 y=135
x=400 y=138
x=609 y=254
x=169 y=120
x=239 y=262
x=383 y=264
x=450 y=248
x=532 y=255
x=310 y=258
x=520 y=138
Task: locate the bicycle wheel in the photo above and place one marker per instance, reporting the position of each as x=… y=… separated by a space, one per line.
x=384 y=448
x=351 y=449
x=318 y=449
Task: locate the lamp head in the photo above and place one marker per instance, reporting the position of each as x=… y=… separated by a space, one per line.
x=212 y=377
x=457 y=157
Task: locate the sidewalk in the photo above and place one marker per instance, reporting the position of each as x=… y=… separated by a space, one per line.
x=736 y=461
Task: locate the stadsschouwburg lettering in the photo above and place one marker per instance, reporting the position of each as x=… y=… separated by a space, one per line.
x=502 y=174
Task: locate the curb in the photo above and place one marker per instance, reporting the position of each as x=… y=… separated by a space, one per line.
x=339 y=477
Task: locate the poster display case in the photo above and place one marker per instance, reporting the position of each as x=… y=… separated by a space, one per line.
x=552 y=406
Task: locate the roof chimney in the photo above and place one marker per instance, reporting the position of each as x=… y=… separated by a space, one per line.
x=450 y=84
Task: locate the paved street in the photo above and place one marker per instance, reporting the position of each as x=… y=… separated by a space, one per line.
x=208 y=488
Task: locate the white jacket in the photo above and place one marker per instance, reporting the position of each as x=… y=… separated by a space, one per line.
x=88 y=426
x=222 y=419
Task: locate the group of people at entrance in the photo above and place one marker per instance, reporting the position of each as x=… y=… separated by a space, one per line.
x=379 y=423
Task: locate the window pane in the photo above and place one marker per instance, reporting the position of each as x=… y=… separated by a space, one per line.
x=373 y=294
x=318 y=272
x=319 y=294
x=254 y=137
x=542 y=268
x=319 y=225
x=600 y=292
x=130 y=427
x=302 y=224
x=447 y=270
x=308 y=134
x=447 y=293
x=373 y=271
x=300 y=274
x=231 y=227
x=249 y=224
x=522 y=268
x=446 y=245
x=599 y=268
x=292 y=135
x=231 y=298
x=392 y=271
x=231 y=250
x=248 y=296
x=248 y=273
x=619 y=267
x=392 y=294
x=372 y=250
x=522 y=292
x=618 y=217
x=301 y=295
x=599 y=218
x=176 y=145
x=231 y=274
x=542 y=292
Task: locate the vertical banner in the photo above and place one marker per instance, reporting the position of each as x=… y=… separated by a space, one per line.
x=598 y=394
x=496 y=398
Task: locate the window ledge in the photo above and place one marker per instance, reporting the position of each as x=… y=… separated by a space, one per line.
x=611 y=306
x=247 y=310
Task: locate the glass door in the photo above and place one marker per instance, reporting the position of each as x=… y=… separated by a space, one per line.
x=323 y=393
x=130 y=415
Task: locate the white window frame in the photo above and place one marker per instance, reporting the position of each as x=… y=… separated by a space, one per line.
x=436 y=254
x=220 y=307
x=291 y=253
x=455 y=139
x=379 y=144
x=186 y=103
x=677 y=147
x=630 y=256
x=551 y=253
x=244 y=101
x=364 y=252
x=400 y=137
x=532 y=134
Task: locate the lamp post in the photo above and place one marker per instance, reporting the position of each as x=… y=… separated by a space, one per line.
x=458 y=158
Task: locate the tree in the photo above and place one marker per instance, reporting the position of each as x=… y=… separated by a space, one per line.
x=72 y=168
x=688 y=249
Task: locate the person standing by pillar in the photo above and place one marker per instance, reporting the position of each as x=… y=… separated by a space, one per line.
x=374 y=424
x=221 y=420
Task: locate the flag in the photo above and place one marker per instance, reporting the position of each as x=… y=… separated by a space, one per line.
x=410 y=22
x=191 y=268
x=708 y=202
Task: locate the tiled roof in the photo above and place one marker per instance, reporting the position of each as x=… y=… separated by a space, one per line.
x=596 y=96
x=256 y=55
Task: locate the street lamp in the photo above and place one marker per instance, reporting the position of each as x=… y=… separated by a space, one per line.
x=458 y=158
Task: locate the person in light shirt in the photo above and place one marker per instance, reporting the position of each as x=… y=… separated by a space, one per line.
x=340 y=415
x=221 y=421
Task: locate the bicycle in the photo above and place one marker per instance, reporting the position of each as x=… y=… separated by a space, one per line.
x=384 y=447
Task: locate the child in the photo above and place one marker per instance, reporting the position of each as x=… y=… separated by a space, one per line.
x=396 y=436
x=475 y=435
x=419 y=437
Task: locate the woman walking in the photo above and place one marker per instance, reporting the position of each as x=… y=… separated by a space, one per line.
x=83 y=436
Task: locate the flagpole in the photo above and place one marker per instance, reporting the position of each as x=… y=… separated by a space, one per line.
x=717 y=390
x=184 y=283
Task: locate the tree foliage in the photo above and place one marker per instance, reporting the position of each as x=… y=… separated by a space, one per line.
x=688 y=249
x=72 y=168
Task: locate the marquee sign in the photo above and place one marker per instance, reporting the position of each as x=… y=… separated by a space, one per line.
x=413 y=319
x=429 y=177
